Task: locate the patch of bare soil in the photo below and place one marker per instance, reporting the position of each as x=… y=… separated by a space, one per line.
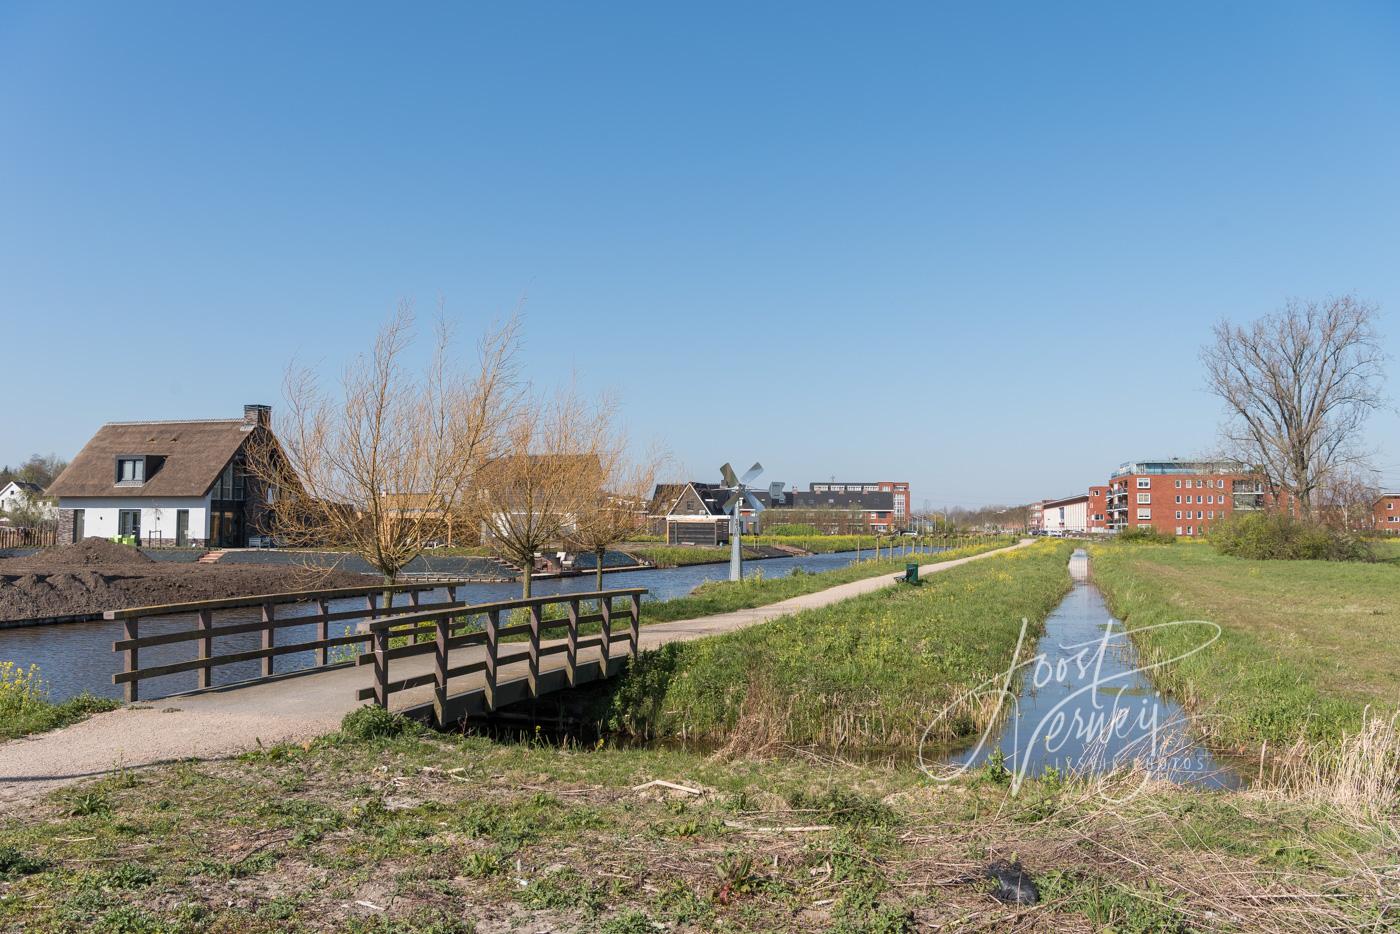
x=95 y=575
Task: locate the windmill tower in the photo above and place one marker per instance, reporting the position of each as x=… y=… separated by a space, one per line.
x=739 y=495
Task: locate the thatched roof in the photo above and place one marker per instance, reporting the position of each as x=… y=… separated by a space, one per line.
x=195 y=453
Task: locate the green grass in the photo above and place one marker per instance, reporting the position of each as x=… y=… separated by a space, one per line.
x=1306 y=644
x=866 y=672
x=26 y=709
x=46 y=716
x=673 y=556
x=759 y=590
x=451 y=833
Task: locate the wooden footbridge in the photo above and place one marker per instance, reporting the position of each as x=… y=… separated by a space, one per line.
x=469 y=658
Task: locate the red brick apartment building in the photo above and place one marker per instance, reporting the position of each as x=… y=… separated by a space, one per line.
x=1386 y=513
x=1097 y=520
x=1180 y=497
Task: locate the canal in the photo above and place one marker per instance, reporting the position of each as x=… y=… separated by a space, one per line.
x=78 y=657
x=1084 y=704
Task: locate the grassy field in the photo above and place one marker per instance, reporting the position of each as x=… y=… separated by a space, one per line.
x=433 y=833
x=867 y=672
x=674 y=556
x=759 y=590
x=1306 y=644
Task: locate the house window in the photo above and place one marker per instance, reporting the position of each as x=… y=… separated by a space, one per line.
x=1144 y=483
x=1178 y=528
x=129 y=522
x=1144 y=499
x=131 y=470
x=1178 y=515
x=1144 y=515
x=1178 y=500
x=1178 y=486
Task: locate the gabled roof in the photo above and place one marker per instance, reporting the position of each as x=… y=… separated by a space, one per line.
x=195 y=453
x=24 y=486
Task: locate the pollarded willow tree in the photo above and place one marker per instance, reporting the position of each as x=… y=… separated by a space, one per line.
x=380 y=466
x=547 y=474
x=1298 y=386
x=617 y=510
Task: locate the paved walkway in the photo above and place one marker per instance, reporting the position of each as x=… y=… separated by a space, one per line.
x=225 y=722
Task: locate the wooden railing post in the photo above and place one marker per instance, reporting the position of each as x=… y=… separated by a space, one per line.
x=571 y=657
x=605 y=607
x=372 y=608
x=493 y=622
x=129 y=631
x=381 y=667
x=413 y=603
x=269 y=635
x=323 y=631
x=535 y=650
x=443 y=627
x=206 y=648
x=636 y=623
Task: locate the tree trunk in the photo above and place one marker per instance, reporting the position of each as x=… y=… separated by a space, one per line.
x=599 y=555
x=527 y=576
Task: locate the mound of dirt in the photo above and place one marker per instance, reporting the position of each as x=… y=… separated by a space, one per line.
x=90 y=552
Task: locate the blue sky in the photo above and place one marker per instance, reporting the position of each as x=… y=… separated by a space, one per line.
x=974 y=246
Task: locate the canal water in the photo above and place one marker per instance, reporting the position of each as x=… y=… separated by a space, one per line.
x=78 y=657
x=1085 y=706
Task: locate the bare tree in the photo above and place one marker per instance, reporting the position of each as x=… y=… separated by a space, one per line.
x=618 y=509
x=548 y=474
x=1298 y=385
x=1346 y=498
x=381 y=467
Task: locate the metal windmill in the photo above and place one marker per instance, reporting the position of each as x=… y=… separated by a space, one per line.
x=739 y=495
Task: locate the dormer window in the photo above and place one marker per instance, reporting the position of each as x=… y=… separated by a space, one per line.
x=131 y=470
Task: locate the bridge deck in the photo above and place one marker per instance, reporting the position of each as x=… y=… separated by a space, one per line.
x=224 y=722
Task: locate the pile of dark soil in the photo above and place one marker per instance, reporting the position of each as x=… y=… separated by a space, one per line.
x=91 y=552
x=94 y=575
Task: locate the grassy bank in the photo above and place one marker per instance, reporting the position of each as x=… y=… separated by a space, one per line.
x=675 y=556
x=433 y=833
x=872 y=671
x=759 y=590
x=25 y=708
x=1306 y=644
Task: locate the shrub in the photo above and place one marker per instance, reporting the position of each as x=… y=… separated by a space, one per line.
x=376 y=723
x=1278 y=537
x=1146 y=534
x=792 y=528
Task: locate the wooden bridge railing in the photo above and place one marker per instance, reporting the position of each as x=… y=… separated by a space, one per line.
x=205 y=630
x=451 y=628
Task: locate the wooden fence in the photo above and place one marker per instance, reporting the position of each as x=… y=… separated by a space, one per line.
x=480 y=625
x=205 y=628
x=28 y=538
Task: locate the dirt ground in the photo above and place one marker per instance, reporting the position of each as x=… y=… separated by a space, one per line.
x=96 y=575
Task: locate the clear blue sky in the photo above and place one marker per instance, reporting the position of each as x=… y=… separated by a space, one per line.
x=973 y=246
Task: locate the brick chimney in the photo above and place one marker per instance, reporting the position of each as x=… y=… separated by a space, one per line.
x=260 y=415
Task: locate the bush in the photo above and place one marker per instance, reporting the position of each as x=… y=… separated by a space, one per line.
x=368 y=723
x=792 y=528
x=1278 y=537
x=1146 y=534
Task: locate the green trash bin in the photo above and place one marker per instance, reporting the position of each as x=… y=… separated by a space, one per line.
x=911 y=573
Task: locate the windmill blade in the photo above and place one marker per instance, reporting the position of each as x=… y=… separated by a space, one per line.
x=732 y=501
x=752 y=472
x=730 y=479
x=753 y=502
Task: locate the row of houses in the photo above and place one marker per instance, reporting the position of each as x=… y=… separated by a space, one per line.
x=1175 y=497
x=692 y=513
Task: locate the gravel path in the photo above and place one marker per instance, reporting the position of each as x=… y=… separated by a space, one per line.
x=225 y=722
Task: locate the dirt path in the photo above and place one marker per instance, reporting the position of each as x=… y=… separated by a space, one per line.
x=221 y=723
